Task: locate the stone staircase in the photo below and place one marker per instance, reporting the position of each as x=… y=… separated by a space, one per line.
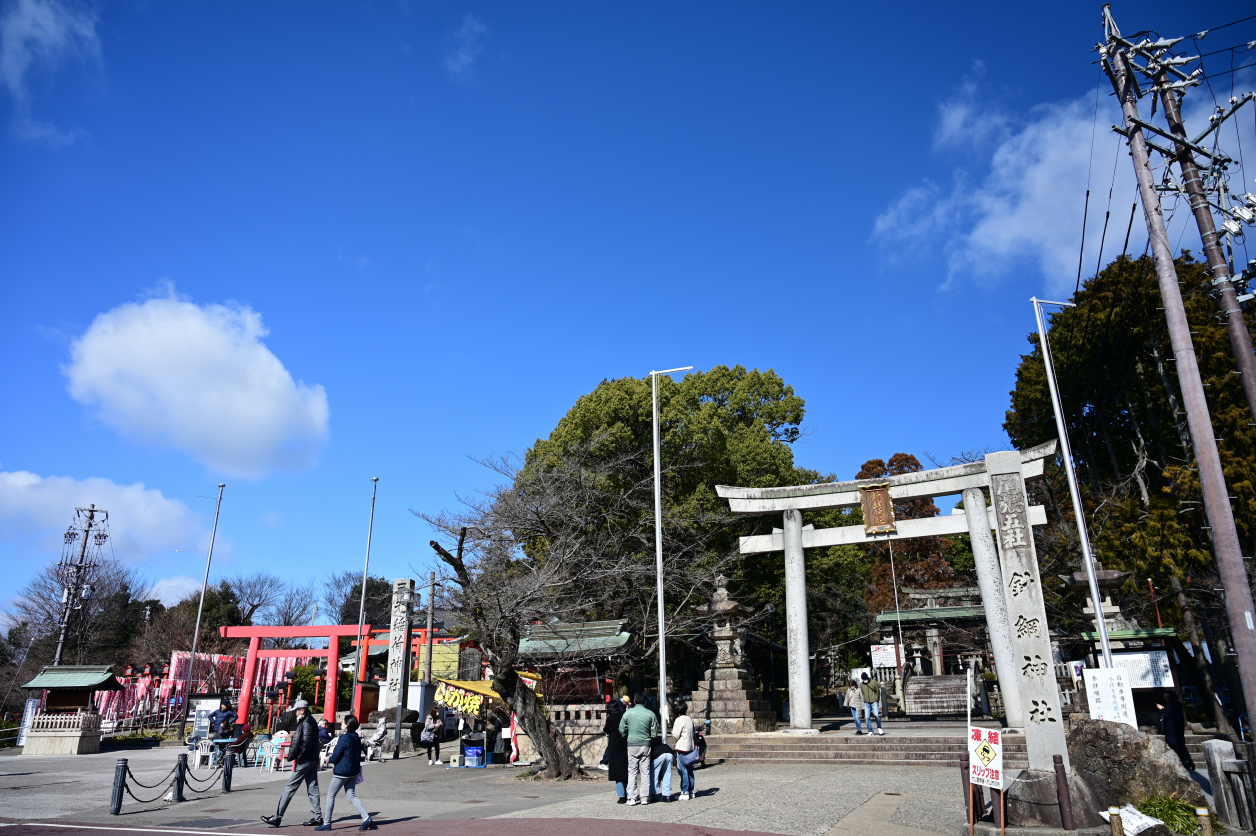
x=936 y=696
x=907 y=750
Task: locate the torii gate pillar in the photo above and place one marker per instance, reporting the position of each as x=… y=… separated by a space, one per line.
x=796 y=625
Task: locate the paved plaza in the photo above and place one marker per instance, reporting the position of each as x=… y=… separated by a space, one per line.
x=52 y=795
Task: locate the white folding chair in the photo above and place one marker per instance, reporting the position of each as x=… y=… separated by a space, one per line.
x=204 y=753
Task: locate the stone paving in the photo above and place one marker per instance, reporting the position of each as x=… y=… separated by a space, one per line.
x=45 y=795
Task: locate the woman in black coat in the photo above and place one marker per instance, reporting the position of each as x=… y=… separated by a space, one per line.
x=616 y=750
x=1173 y=724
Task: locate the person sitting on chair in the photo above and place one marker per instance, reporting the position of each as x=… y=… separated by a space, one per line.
x=241 y=744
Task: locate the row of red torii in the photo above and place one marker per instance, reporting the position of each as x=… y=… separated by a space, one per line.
x=332 y=632
x=1008 y=576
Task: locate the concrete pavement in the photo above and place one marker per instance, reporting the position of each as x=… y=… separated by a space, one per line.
x=45 y=795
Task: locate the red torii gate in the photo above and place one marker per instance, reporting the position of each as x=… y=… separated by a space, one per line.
x=331 y=632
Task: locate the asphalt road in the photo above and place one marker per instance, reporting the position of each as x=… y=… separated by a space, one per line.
x=71 y=796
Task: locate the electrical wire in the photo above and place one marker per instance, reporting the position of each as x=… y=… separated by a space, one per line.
x=1226 y=72
x=1212 y=29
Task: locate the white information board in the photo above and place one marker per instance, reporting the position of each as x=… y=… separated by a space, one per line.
x=985 y=757
x=28 y=717
x=883 y=656
x=1109 y=694
x=1147 y=668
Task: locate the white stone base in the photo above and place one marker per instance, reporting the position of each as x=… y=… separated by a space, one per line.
x=800 y=731
x=68 y=742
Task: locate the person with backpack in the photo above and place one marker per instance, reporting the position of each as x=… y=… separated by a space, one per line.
x=433 y=730
x=346 y=763
x=870 y=690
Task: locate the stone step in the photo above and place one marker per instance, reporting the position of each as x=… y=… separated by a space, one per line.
x=702 y=709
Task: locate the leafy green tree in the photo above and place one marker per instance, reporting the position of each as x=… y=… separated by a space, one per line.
x=1133 y=450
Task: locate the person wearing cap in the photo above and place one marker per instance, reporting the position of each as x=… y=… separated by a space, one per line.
x=304 y=751
x=870 y=690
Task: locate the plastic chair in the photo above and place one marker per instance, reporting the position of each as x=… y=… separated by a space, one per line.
x=267 y=756
x=205 y=752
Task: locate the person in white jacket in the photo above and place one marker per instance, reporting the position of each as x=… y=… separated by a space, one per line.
x=686 y=749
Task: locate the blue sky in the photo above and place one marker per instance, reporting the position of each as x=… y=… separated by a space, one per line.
x=291 y=247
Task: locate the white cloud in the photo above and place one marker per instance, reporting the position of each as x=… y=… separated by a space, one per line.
x=200 y=380
x=143 y=524
x=37 y=39
x=1022 y=204
x=171 y=591
x=460 y=58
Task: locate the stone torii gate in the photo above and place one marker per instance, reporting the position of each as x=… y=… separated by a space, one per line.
x=1011 y=588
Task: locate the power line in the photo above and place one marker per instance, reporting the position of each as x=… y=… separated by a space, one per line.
x=1225 y=25
x=1227 y=72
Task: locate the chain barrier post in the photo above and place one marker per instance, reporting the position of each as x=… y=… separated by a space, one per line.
x=119 y=782
x=180 y=775
x=228 y=764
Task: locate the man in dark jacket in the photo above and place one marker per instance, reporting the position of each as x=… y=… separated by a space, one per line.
x=304 y=750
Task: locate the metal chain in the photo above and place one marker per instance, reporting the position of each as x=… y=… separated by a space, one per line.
x=191 y=788
x=189 y=778
x=127 y=787
x=138 y=782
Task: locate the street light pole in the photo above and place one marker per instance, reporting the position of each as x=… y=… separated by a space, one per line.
x=187 y=679
x=1067 y=452
x=658 y=545
x=360 y=673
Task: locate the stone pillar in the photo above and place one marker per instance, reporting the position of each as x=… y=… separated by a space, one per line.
x=990 y=580
x=933 y=638
x=1022 y=585
x=398 y=676
x=796 y=625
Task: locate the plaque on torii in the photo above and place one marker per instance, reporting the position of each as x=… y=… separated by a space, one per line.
x=1007 y=574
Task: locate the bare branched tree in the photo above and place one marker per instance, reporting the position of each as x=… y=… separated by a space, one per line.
x=294 y=607
x=256 y=592
x=571 y=541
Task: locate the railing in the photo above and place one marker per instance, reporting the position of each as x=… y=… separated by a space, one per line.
x=79 y=721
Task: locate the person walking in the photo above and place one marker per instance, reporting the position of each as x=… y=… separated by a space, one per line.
x=433 y=729
x=870 y=690
x=304 y=752
x=1173 y=724
x=346 y=772
x=616 y=750
x=639 y=726
x=686 y=749
x=854 y=701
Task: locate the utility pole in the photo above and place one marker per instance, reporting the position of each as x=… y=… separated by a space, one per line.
x=1115 y=57
x=1222 y=278
x=74 y=575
